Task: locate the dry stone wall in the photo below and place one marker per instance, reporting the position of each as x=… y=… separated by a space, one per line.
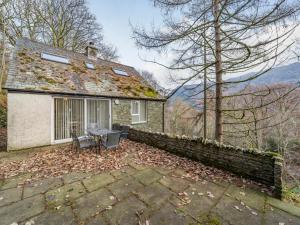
x=253 y=164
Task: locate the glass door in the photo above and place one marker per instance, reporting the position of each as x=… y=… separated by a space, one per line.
x=98 y=114
x=68 y=114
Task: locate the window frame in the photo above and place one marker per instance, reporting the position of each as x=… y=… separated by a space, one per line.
x=139 y=111
x=59 y=58
x=85 y=98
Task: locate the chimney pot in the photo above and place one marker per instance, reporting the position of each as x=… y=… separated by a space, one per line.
x=91 y=51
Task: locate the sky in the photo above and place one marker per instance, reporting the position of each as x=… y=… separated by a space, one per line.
x=115 y=16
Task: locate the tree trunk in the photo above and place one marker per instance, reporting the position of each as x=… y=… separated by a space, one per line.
x=218 y=67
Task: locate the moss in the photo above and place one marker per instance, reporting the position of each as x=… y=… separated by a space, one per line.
x=72 y=87
x=127 y=88
x=78 y=69
x=274 y=154
x=22 y=54
x=150 y=93
x=208 y=220
x=45 y=88
x=47 y=79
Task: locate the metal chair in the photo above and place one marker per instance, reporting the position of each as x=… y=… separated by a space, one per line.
x=112 y=140
x=125 y=131
x=123 y=128
x=82 y=142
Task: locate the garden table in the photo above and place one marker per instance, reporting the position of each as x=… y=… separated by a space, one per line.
x=99 y=134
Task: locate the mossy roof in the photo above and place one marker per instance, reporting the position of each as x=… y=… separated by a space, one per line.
x=29 y=72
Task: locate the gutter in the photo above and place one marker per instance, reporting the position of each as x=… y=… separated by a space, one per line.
x=12 y=90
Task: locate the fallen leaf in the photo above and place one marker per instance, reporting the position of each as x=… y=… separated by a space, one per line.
x=237 y=208
x=254 y=213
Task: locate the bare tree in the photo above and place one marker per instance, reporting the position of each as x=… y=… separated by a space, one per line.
x=239 y=35
x=61 y=23
x=151 y=80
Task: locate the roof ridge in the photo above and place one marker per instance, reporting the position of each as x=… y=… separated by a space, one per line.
x=66 y=50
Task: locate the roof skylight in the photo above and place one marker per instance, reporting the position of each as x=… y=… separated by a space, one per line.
x=89 y=65
x=120 y=72
x=55 y=58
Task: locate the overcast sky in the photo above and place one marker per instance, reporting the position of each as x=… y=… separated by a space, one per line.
x=115 y=17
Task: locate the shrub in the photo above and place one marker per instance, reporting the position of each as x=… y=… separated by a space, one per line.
x=3 y=117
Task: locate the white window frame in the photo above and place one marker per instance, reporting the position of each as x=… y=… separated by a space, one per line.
x=53 y=141
x=139 y=112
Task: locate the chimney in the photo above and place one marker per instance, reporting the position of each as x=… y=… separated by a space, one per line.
x=91 y=51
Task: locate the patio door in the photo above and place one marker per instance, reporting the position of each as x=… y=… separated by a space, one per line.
x=98 y=113
x=68 y=113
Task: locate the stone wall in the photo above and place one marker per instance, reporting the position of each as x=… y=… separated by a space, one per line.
x=253 y=164
x=121 y=114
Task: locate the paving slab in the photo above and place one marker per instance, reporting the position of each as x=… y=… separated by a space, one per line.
x=93 y=203
x=199 y=198
x=63 y=216
x=75 y=176
x=125 y=212
x=163 y=171
x=277 y=216
x=287 y=207
x=137 y=166
x=15 y=181
x=98 y=181
x=211 y=219
x=10 y=195
x=147 y=176
x=41 y=186
x=237 y=213
x=169 y=215
x=154 y=195
x=253 y=198
x=65 y=194
x=22 y=210
x=97 y=220
x=124 y=172
x=175 y=184
x=122 y=188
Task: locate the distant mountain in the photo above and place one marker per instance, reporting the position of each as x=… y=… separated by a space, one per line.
x=289 y=74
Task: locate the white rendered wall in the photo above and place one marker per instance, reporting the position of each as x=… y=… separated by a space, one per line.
x=28 y=120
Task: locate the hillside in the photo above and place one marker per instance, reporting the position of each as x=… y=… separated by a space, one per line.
x=289 y=74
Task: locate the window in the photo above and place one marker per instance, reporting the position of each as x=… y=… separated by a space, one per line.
x=55 y=58
x=138 y=111
x=90 y=66
x=120 y=72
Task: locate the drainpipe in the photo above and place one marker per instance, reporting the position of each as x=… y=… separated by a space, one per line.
x=163 y=118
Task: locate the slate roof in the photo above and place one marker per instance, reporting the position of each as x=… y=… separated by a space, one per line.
x=29 y=72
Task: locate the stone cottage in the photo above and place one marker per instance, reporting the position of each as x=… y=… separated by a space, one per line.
x=49 y=89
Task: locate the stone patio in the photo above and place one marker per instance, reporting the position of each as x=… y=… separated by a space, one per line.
x=141 y=195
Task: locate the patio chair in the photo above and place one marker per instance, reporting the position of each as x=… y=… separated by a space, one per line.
x=125 y=131
x=123 y=128
x=112 y=140
x=82 y=142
